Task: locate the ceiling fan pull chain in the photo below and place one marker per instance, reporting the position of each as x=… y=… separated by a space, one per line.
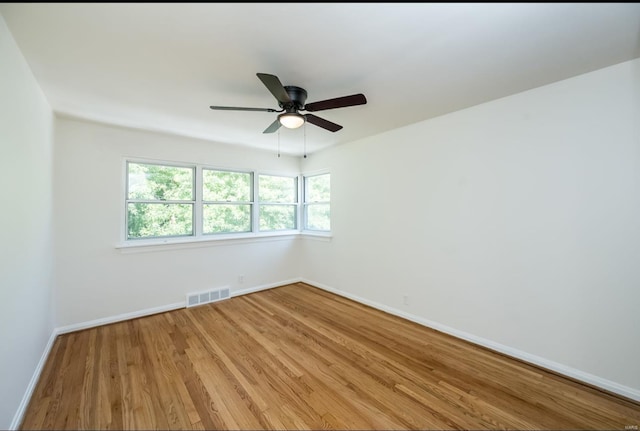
x=305 y=139
x=278 y=143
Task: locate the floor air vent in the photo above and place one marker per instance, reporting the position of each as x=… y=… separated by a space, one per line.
x=199 y=298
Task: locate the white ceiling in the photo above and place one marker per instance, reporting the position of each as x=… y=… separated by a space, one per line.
x=159 y=66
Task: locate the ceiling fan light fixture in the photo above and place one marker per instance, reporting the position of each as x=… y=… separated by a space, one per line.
x=291 y=120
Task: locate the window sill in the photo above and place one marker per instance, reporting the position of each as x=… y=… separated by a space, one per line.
x=316 y=235
x=141 y=246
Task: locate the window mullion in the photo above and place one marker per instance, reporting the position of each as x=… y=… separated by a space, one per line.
x=255 y=204
x=159 y=201
x=300 y=202
x=197 y=210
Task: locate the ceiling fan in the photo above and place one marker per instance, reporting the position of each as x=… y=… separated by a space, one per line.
x=291 y=100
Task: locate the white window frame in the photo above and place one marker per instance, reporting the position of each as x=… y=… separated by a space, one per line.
x=305 y=204
x=198 y=238
x=295 y=204
x=251 y=202
x=192 y=202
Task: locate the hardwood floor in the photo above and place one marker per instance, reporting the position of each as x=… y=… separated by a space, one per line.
x=297 y=357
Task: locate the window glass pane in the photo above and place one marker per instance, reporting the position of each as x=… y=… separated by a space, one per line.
x=157 y=182
x=223 y=186
x=277 y=189
x=221 y=218
x=319 y=217
x=277 y=217
x=153 y=220
x=318 y=188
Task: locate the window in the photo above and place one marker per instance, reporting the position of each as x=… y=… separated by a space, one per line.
x=160 y=200
x=317 y=202
x=166 y=200
x=278 y=197
x=226 y=201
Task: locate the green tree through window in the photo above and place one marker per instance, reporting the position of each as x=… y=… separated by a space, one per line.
x=166 y=200
x=160 y=200
x=317 y=202
x=278 y=198
x=227 y=201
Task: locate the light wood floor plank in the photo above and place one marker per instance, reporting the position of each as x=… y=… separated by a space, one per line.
x=297 y=357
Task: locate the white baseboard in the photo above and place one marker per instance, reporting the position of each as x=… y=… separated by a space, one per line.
x=565 y=370
x=120 y=317
x=264 y=287
x=22 y=408
x=161 y=309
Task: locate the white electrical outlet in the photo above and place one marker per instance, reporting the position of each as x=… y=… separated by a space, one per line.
x=241 y=279
x=405 y=299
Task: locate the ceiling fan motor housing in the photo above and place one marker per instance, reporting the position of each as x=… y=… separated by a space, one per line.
x=298 y=98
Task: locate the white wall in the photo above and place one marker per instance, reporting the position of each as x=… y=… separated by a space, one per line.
x=516 y=222
x=26 y=311
x=97 y=281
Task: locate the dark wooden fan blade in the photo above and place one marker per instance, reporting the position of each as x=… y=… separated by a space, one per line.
x=338 y=102
x=273 y=127
x=276 y=88
x=234 y=108
x=321 y=122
